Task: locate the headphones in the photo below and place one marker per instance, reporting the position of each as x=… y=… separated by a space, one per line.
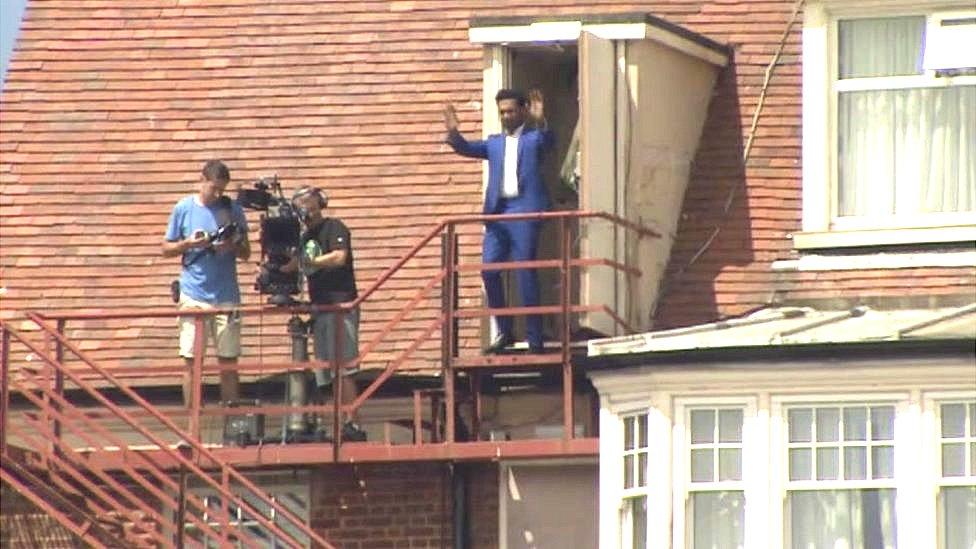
x=306 y=190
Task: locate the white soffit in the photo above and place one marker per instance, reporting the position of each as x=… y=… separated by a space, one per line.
x=570 y=31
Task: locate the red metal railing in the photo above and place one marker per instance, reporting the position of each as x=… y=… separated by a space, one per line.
x=143 y=470
x=445 y=276
x=57 y=413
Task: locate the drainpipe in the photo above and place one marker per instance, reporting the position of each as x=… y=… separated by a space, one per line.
x=459 y=508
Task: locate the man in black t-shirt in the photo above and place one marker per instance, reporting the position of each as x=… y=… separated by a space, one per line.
x=326 y=258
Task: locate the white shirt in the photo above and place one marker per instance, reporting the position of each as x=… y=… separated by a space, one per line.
x=510 y=187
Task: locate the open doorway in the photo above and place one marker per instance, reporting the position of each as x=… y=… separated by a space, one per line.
x=553 y=69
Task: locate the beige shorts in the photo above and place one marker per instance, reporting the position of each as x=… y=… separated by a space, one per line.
x=223 y=329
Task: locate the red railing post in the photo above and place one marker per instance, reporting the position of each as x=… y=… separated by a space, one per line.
x=224 y=507
x=4 y=386
x=58 y=374
x=449 y=254
x=564 y=297
x=196 y=376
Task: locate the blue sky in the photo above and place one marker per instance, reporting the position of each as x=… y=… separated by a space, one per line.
x=11 y=12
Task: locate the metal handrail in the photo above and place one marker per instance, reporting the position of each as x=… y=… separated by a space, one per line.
x=197 y=447
x=447 y=224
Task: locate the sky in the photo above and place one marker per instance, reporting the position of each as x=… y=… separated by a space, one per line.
x=11 y=12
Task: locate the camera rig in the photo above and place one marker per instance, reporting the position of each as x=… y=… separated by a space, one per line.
x=280 y=239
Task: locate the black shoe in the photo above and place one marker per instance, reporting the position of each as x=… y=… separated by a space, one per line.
x=499 y=343
x=537 y=349
x=353 y=433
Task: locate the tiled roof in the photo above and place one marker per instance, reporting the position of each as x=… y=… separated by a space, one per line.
x=110 y=108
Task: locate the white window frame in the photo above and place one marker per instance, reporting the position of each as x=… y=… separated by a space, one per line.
x=932 y=463
x=637 y=491
x=681 y=460
x=820 y=226
x=905 y=443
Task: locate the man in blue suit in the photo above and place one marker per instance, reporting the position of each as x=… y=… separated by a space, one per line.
x=515 y=185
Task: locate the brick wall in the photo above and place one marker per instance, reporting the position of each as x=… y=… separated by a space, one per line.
x=401 y=505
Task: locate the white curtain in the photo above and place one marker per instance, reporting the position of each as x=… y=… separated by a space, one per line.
x=719 y=520
x=959 y=517
x=901 y=152
x=842 y=519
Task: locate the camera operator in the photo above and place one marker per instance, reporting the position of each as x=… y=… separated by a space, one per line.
x=209 y=232
x=326 y=259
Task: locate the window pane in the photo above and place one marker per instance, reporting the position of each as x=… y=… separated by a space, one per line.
x=730 y=464
x=718 y=520
x=855 y=463
x=953 y=420
x=883 y=462
x=880 y=47
x=855 y=424
x=636 y=514
x=628 y=433
x=828 y=463
x=855 y=519
x=953 y=460
x=642 y=469
x=702 y=426
x=972 y=420
x=972 y=458
x=800 y=463
x=702 y=465
x=801 y=424
x=958 y=517
x=882 y=423
x=628 y=471
x=642 y=432
x=730 y=426
x=900 y=152
x=828 y=424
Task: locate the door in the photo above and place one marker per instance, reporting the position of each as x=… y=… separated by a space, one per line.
x=598 y=177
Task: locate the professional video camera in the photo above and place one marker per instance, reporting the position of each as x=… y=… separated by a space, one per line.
x=280 y=239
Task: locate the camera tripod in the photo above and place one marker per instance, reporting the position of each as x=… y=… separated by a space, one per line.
x=299 y=426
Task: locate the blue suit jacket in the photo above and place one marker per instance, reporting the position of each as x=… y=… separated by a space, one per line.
x=532 y=146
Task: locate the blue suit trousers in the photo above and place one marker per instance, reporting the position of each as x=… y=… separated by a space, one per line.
x=513 y=241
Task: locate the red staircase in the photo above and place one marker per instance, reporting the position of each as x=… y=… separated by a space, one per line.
x=139 y=503
x=126 y=487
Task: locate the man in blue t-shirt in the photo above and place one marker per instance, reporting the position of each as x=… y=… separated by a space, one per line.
x=209 y=232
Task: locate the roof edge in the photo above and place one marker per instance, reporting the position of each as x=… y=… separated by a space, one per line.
x=603 y=19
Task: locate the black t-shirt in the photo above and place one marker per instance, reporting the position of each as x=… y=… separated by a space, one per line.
x=336 y=285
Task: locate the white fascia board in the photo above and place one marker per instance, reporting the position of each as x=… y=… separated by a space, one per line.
x=569 y=31
x=543 y=31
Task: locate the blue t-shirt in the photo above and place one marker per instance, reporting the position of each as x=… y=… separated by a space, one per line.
x=207 y=276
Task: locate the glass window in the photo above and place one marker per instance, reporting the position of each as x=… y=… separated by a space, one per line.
x=633 y=517
x=716 y=500
x=957 y=495
x=841 y=462
x=905 y=142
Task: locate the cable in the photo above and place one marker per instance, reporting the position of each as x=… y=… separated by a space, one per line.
x=747 y=150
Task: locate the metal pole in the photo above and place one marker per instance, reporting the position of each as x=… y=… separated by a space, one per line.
x=565 y=297
x=196 y=376
x=447 y=342
x=4 y=386
x=181 y=507
x=58 y=377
